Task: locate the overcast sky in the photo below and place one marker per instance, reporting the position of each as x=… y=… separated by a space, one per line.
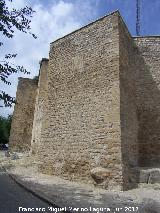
x=56 y=18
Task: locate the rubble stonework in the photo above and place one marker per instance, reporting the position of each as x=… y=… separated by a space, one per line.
x=39 y=106
x=148 y=100
x=22 y=121
x=96 y=116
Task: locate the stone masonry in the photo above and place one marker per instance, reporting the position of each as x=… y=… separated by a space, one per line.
x=148 y=100
x=96 y=117
x=21 y=129
x=83 y=105
x=40 y=105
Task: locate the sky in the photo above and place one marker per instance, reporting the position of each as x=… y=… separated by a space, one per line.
x=56 y=18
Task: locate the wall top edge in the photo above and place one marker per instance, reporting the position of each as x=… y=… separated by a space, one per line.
x=146 y=36
x=44 y=59
x=99 y=19
x=125 y=25
x=25 y=79
x=21 y=78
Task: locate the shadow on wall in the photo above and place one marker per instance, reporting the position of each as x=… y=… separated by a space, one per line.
x=148 y=104
x=140 y=110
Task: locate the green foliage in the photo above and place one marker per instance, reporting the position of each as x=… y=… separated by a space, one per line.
x=9 y=21
x=5 y=126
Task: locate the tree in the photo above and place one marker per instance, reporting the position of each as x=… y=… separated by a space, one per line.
x=11 y=19
x=5 y=126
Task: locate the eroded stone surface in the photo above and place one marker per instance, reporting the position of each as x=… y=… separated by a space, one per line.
x=22 y=123
x=100 y=174
x=97 y=109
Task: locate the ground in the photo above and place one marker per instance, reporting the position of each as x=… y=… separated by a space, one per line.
x=14 y=199
x=80 y=197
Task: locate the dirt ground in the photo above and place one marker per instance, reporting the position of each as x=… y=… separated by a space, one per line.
x=72 y=195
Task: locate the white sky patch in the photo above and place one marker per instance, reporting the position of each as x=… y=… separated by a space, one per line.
x=48 y=24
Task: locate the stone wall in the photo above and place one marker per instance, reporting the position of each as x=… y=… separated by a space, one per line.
x=128 y=106
x=97 y=114
x=81 y=130
x=40 y=105
x=148 y=100
x=21 y=129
